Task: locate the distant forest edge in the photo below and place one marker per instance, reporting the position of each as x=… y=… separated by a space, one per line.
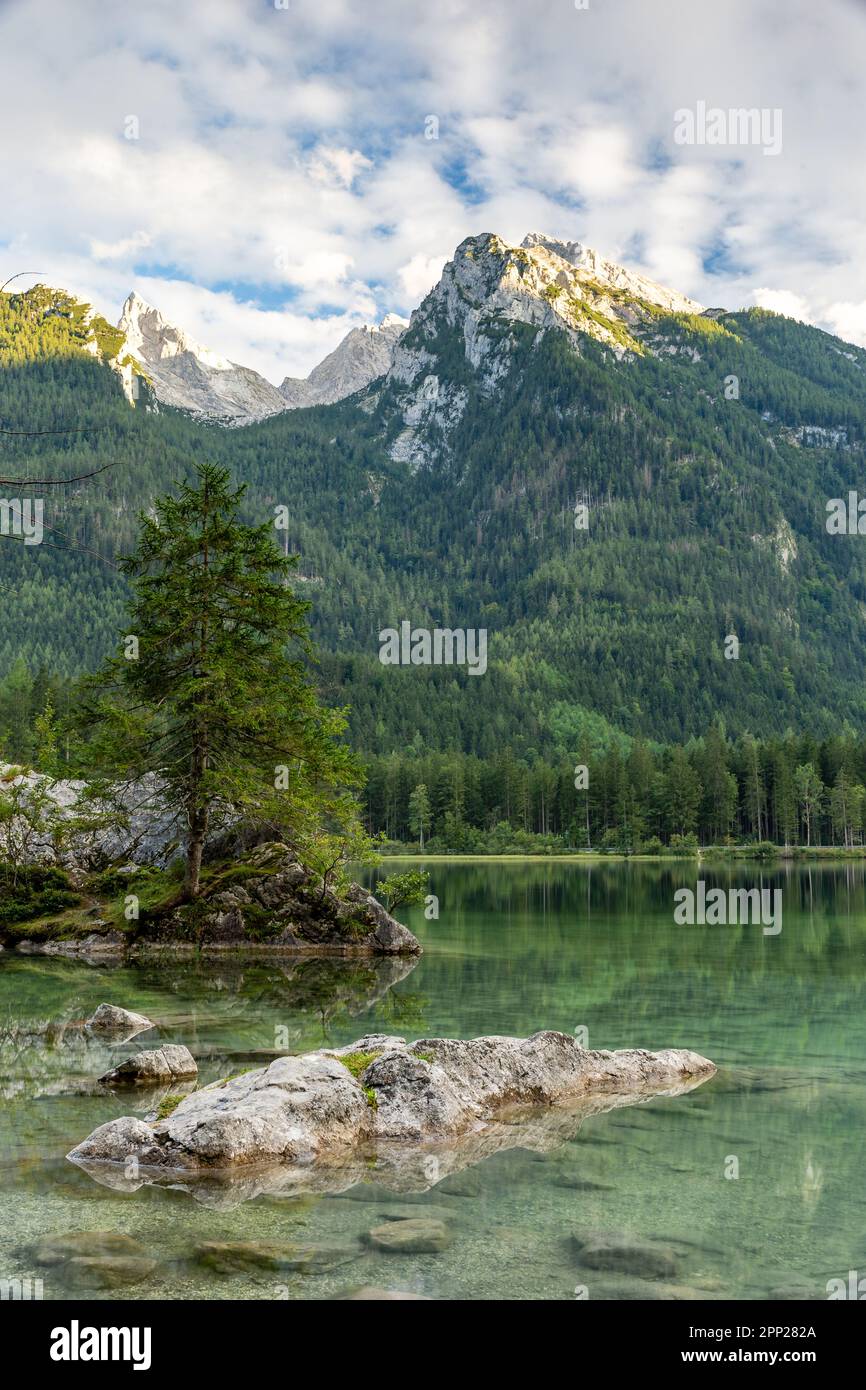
x=613 y=793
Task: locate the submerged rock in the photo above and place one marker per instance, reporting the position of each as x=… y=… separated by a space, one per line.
x=55 y=1250
x=245 y=1256
x=370 y=1294
x=170 y=1063
x=624 y=1254
x=796 y=1293
x=418 y=1211
x=106 y=1271
x=643 y=1290
x=576 y=1184
x=417 y=1235
x=331 y=1108
x=108 y=1018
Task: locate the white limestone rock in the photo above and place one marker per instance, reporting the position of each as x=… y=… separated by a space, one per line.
x=190 y=377
x=108 y=1018
x=313 y=1109
x=487 y=287
x=170 y=1063
x=363 y=355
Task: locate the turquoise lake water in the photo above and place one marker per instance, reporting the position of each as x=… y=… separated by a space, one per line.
x=517 y=947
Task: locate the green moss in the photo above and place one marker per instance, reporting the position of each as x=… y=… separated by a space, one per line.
x=220 y=876
x=260 y=924
x=358 y=1062
x=167 y=1106
x=424 y=1056
x=32 y=894
x=154 y=888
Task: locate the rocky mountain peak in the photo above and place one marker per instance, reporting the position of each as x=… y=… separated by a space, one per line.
x=363 y=355
x=189 y=376
x=151 y=338
x=489 y=284
x=617 y=277
x=544 y=282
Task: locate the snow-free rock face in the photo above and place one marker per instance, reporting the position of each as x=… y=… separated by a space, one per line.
x=191 y=377
x=597 y=268
x=364 y=354
x=488 y=289
x=330 y=1107
x=545 y=282
x=184 y=374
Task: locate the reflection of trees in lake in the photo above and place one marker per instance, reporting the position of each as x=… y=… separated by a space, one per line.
x=597 y=944
x=225 y=1009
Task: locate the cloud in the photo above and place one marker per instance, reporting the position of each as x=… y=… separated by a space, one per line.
x=278 y=164
x=786 y=302
x=420 y=275
x=338 y=167
x=847 y=321
x=120 y=250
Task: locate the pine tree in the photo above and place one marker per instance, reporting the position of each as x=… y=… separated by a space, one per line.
x=212 y=696
x=810 y=796
x=682 y=794
x=419 y=811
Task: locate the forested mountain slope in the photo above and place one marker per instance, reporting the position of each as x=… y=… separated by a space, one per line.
x=705 y=447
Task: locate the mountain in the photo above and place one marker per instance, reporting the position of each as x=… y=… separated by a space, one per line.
x=594 y=269
x=546 y=284
x=704 y=446
x=208 y=386
x=363 y=355
x=191 y=377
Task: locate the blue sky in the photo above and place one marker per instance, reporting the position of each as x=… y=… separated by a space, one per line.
x=281 y=186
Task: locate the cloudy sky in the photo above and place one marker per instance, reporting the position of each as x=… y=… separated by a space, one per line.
x=264 y=172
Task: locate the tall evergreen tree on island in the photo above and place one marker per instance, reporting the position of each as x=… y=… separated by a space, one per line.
x=212 y=695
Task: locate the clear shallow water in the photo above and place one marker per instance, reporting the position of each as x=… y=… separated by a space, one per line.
x=517 y=947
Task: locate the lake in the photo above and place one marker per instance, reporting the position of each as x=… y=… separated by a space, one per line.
x=752 y=1184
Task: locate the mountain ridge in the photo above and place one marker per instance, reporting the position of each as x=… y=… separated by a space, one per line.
x=191 y=377
x=705 y=510
x=547 y=280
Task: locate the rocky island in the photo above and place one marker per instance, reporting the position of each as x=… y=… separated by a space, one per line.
x=413 y=1112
